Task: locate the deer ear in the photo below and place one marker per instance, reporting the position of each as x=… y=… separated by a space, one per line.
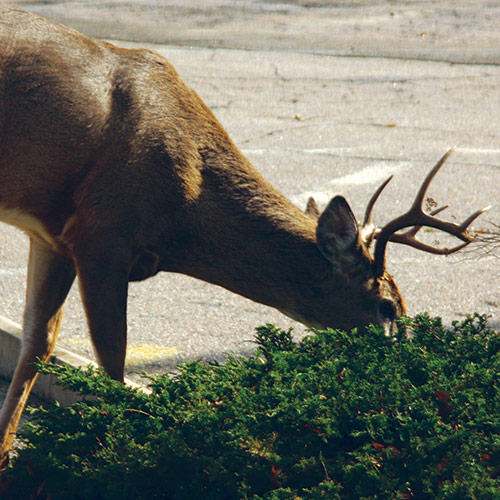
x=337 y=229
x=312 y=209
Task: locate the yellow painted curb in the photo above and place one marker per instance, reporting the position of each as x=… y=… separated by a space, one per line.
x=45 y=387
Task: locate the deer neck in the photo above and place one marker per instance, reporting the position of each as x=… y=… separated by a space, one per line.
x=248 y=238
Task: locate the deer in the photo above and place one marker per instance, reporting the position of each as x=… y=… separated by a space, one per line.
x=116 y=170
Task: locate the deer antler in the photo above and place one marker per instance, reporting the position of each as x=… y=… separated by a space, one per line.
x=369 y=230
x=415 y=218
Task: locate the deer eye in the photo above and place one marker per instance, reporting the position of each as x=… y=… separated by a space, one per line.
x=387 y=310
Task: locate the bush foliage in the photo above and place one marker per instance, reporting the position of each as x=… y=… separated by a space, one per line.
x=338 y=415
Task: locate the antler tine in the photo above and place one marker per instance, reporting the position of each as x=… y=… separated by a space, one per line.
x=467 y=222
x=416 y=217
x=368 y=212
x=368 y=230
x=438 y=210
x=419 y=199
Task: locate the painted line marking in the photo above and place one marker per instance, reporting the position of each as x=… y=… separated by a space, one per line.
x=137 y=354
x=367 y=175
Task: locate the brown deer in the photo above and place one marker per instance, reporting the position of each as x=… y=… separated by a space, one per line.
x=117 y=170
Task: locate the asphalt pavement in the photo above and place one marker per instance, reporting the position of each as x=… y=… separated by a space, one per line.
x=323 y=98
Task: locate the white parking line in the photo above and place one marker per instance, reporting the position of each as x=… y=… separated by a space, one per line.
x=367 y=175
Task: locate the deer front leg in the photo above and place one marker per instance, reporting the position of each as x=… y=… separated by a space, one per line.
x=49 y=279
x=103 y=275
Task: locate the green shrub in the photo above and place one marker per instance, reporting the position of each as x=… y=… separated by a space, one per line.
x=338 y=415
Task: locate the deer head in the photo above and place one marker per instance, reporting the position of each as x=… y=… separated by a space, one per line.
x=343 y=242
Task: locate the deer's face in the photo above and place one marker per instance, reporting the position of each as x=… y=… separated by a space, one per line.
x=354 y=295
x=358 y=299
x=347 y=302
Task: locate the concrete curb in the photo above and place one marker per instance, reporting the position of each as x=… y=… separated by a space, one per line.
x=45 y=387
